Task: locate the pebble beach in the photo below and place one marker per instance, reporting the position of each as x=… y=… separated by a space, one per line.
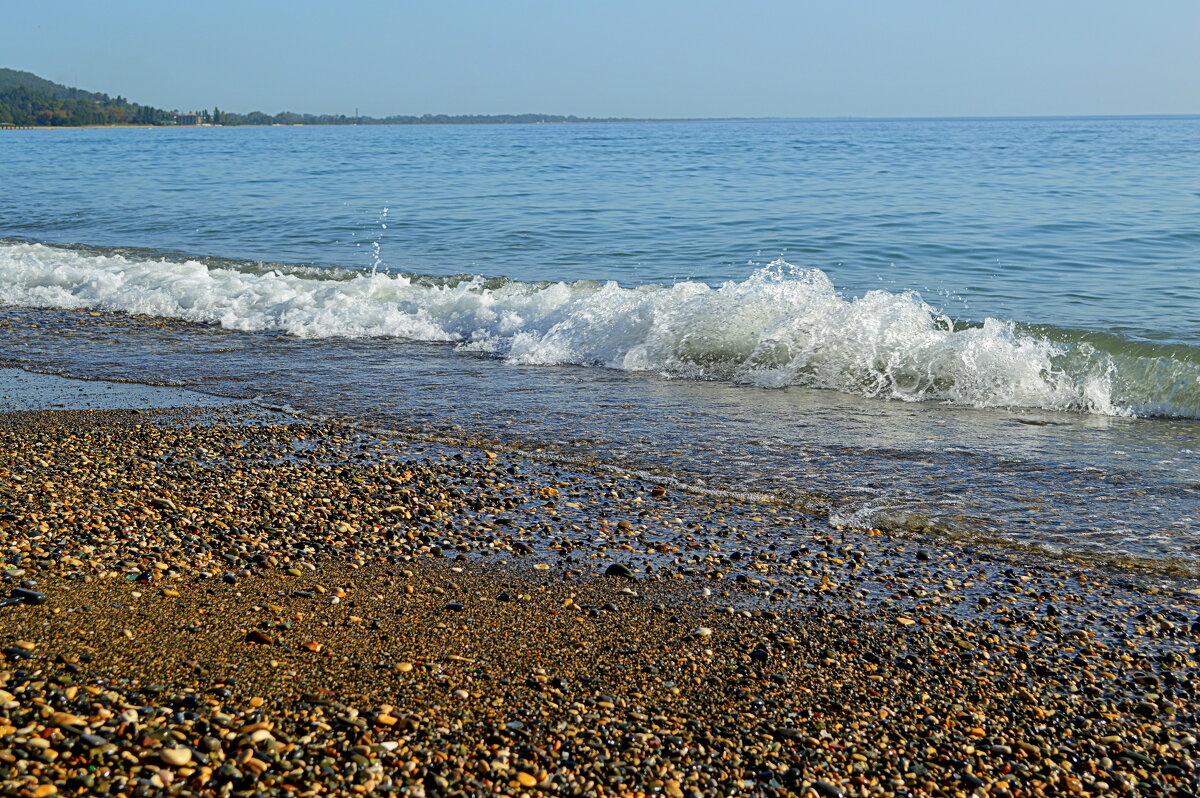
x=240 y=603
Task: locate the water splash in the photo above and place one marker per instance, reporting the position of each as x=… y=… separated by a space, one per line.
x=377 y=243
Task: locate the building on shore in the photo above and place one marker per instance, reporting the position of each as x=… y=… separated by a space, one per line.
x=189 y=119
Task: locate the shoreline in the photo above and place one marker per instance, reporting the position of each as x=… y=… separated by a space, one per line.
x=765 y=119
x=241 y=603
x=43 y=390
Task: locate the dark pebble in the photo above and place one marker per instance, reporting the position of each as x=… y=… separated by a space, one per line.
x=619 y=570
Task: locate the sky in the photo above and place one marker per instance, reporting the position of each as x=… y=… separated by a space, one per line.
x=627 y=58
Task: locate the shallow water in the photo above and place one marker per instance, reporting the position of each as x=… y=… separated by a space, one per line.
x=985 y=328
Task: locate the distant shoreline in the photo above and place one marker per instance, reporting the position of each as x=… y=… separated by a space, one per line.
x=815 y=119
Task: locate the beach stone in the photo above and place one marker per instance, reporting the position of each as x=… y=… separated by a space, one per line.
x=65 y=719
x=176 y=757
x=261 y=735
x=619 y=570
x=15 y=653
x=1146 y=709
x=974 y=782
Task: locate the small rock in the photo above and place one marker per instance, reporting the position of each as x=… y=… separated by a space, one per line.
x=826 y=790
x=1146 y=709
x=176 y=757
x=619 y=570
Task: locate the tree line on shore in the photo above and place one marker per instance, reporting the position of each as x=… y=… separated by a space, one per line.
x=27 y=100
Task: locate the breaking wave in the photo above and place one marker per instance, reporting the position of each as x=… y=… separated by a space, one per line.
x=780 y=326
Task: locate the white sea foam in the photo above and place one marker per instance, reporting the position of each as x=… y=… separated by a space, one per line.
x=781 y=326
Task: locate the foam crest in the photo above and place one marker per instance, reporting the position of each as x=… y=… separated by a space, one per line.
x=781 y=326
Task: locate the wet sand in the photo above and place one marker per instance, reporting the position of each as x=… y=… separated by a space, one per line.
x=240 y=604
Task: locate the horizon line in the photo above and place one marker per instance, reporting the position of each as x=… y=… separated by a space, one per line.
x=845 y=118
x=575 y=119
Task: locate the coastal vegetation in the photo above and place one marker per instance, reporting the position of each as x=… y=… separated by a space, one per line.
x=27 y=100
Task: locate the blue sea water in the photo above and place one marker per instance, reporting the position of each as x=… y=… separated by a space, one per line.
x=988 y=328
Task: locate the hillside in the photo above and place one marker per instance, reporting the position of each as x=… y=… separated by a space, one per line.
x=12 y=78
x=26 y=99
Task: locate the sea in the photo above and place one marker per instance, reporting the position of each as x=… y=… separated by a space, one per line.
x=978 y=329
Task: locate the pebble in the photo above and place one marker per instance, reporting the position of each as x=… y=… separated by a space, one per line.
x=176 y=757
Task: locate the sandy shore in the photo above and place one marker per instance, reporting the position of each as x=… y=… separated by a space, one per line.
x=239 y=604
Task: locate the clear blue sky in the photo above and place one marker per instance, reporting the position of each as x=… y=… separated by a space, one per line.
x=660 y=58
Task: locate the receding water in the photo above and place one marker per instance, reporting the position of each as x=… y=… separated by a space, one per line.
x=981 y=327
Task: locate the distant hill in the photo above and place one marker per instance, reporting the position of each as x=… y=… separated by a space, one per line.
x=26 y=99
x=12 y=78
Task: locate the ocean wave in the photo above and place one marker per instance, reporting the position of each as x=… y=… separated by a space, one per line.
x=781 y=326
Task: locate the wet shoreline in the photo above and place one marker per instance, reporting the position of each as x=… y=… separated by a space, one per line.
x=239 y=603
